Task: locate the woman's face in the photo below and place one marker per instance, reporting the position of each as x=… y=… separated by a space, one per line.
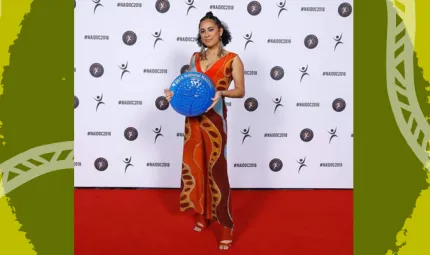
x=210 y=33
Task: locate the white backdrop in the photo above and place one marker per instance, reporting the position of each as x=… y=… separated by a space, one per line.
x=134 y=71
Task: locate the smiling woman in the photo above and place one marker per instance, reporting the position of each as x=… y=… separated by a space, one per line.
x=205 y=185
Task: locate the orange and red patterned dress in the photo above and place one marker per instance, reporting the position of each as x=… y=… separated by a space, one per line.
x=204 y=180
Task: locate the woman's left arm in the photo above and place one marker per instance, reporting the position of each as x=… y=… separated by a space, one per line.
x=238 y=78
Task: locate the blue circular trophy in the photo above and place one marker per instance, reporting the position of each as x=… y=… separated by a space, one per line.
x=192 y=93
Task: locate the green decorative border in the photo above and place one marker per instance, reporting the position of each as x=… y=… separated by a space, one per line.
x=36 y=133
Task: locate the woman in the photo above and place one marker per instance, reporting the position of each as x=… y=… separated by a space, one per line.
x=204 y=181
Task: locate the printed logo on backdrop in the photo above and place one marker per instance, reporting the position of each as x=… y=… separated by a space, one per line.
x=129 y=38
x=131 y=133
x=130 y=102
x=161 y=103
x=76 y=102
x=251 y=72
x=129 y=4
x=331 y=164
x=312 y=9
x=282 y=8
x=307 y=104
x=185 y=68
x=277 y=102
x=186 y=39
x=277 y=73
x=282 y=41
x=157 y=36
x=97 y=70
x=221 y=7
x=99 y=100
x=101 y=164
x=245 y=133
x=244 y=165
x=307 y=135
x=276 y=165
x=304 y=72
x=254 y=8
x=162 y=6
x=97 y=4
x=157 y=132
x=344 y=10
x=124 y=67
x=302 y=163
x=190 y=4
x=157 y=164
x=77 y=163
x=154 y=71
x=338 y=41
x=339 y=105
x=336 y=74
x=248 y=38
x=251 y=104
x=127 y=162
x=311 y=41
x=99 y=133
x=332 y=133
x=179 y=134
x=96 y=37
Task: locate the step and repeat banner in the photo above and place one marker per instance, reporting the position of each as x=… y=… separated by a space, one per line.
x=293 y=128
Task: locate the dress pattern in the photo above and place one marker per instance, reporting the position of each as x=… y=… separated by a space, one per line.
x=204 y=179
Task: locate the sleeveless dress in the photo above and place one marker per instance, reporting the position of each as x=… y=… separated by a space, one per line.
x=204 y=180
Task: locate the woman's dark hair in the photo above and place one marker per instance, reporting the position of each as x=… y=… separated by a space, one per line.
x=226 y=36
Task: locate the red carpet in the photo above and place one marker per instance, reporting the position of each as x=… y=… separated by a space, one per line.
x=296 y=222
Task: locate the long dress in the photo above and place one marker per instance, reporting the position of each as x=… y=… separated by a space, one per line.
x=204 y=180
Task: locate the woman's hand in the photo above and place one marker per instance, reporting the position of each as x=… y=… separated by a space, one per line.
x=168 y=94
x=217 y=97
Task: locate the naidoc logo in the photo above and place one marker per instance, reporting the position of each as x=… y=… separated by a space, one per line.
x=186 y=39
x=190 y=4
x=76 y=103
x=99 y=133
x=245 y=165
x=131 y=133
x=326 y=164
x=333 y=134
x=338 y=105
x=248 y=38
x=77 y=163
x=307 y=104
x=162 y=6
x=277 y=102
x=154 y=71
x=179 y=134
x=185 y=68
x=307 y=135
x=127 y=162
x=304 y=72
x=282 y=8
x=334 y=73
x=277 y=73
x=251 y=72
x=311 y=41
x=129 y=38
x=97 y=4
x=97 y=70
x=157 y=164
x=254 y=8
x=131 y=5
x=157 y=36
x=302 y=163
x=99 y=100
x=96 y=37
x=124 y=68
x=161 y=103
x=312 y=9
x=338 y=40
x=276 y=165
x=157 y=133
x=251 y=104
x=245 y=133
x=101 y=164
x=344 y=10
x=130 y=102
x=221 y=7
